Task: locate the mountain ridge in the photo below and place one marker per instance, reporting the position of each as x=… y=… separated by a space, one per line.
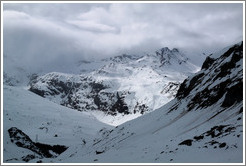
x=124 y=82
x=208 y=131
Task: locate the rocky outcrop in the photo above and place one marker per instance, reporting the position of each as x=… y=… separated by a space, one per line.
x=19 y=138
x=220 y=78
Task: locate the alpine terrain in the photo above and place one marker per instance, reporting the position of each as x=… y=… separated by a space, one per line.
x=189 y=115
x=124 y=88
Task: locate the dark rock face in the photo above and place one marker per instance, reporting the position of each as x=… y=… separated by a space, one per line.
x=222 y=145
x=220 y=83
x=142 y=108
x=120 y=105
x=172 y=88
x=164 y=59
x=217 y=131
x=221 y=77
x=96 y=87
x=22 y=140
x=208 y=97
x=197 y=138
x=28 y=157
x=165 y=55
x=37 y=91
x=55 y=87
x=234 y=94
x=184 y=90
x=99 y=152
x=187 y=142
x=213 y=134
x=83 y=94
x=207 y=63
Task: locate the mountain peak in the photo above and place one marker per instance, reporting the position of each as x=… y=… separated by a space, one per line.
x=165 y=49
x=175 y=50
x=168 y=57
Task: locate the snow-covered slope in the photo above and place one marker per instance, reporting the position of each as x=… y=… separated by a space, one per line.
x=203 y=124
x=125 y=87
x=43 y=121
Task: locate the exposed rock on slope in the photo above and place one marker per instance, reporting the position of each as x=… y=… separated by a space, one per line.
x=219 y=78
x=42 y=150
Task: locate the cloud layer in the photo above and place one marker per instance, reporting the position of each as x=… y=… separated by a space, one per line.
x=52 y=36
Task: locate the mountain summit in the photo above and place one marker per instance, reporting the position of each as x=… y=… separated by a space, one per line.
x=171 y=57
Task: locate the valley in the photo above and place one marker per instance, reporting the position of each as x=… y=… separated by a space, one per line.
x=189 y=116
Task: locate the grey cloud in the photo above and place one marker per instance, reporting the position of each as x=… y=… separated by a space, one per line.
x=59 y=34
x=92 y=26
x=52 y=10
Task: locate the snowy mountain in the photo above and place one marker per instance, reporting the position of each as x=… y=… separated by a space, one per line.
x=204 y=123
x=124 y=88
x=35 y=128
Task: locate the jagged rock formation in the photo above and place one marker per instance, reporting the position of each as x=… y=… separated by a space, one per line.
x=220 y=78
x=42 y=150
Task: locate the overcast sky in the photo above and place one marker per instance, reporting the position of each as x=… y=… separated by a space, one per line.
x=61 y=33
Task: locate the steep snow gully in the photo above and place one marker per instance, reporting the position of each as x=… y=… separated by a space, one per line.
x=202 y=124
